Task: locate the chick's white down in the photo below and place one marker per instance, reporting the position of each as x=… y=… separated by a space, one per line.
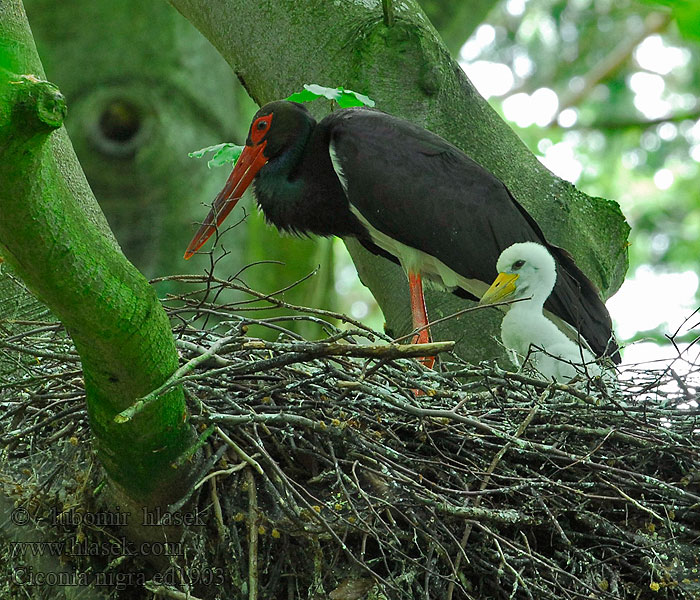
x=525 y=329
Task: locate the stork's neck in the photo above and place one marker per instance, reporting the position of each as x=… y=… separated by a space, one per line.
x=299 y=192
x=276 y=179
x=278 y=187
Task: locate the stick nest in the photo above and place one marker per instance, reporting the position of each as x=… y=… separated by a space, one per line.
x=338 y=471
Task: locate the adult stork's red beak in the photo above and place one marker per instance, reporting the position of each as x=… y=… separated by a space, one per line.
x=247 y=166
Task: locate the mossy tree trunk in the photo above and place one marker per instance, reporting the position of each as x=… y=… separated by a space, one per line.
x=276 y=47
x=55 y=239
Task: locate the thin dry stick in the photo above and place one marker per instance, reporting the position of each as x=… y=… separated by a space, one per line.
x=239 y=467
x=252 y=536
x=238 y=450
x=380 y=351
x=459 y=313
x=174 y=379
x=218 y=515
x=275 y=301
x=637 y=504
x=496 y=459
x=167 y=592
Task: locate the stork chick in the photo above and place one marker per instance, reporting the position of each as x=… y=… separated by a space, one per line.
x=527 y=272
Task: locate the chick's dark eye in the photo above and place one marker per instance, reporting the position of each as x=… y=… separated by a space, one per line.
x=518 y=264
x=262 y=125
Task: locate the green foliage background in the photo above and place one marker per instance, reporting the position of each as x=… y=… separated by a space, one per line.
x=584 y=50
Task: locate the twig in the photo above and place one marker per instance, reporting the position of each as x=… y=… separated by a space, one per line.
x=382 y=351
x=168 y=592
x=458 y=314
x=37 y=353
x=633 y=501
x=252 y=536
x=218 y=514
x=192 y=450
x=141 y=403
x=249 y=460
x=214 y=474
x=275 y=301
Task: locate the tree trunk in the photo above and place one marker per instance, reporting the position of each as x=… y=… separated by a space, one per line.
x=55 y=238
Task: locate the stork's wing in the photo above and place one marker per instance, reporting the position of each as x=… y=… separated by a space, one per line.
x=418 y=189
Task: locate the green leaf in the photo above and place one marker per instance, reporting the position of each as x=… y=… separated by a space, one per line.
x=228 y=153
x=305 y=96
x=344 y=98
x=223 y=154
x=350 y=98
x=200 y=153
x=685 y=12
x=313 y=91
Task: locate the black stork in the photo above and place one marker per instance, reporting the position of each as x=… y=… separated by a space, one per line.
x=406 y=194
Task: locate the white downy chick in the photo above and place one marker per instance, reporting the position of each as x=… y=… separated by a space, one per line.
x=527 y=270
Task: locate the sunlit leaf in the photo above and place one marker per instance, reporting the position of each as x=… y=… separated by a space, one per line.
x=350 y=98
x=203 y=151
x=223 y=154
x=344 y=98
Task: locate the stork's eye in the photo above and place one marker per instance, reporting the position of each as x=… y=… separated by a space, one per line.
x=259 y=128
x=518 y=264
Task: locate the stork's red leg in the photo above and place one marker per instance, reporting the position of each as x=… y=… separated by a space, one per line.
x=420 y=315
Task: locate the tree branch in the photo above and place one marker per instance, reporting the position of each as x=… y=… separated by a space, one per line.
x=615 y=59
x=54 y=236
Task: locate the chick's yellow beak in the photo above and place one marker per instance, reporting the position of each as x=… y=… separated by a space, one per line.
x=501 y=288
